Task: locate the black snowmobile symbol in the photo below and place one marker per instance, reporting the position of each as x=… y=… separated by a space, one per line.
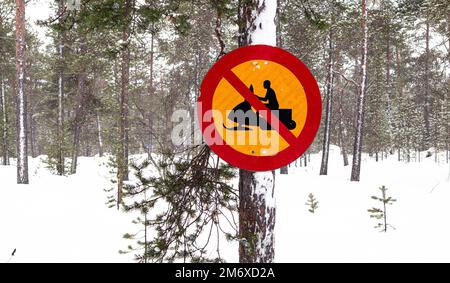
x=244 y=116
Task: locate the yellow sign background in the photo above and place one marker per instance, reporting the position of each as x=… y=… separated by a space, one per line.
x=290 y=95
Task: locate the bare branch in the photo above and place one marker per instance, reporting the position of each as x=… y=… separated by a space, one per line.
x=345 y=78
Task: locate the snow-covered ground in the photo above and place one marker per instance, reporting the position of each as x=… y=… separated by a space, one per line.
x=65 y=219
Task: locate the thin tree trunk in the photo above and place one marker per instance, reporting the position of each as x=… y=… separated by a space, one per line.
x=87 y=146
x=342 y=130
x=399 y=88
x=256 y=189
x=149 y=146
x=80 y=113
x=329 y=106
x=447 y=97
x=357 y=148
x=388 y=86
x=399 y=75
x=122 y=154
x=22 y=147
x=99 y=135
x=60 y=166
x=5 y=136
x=343 y=151
x=31 y=139
x=426 y=106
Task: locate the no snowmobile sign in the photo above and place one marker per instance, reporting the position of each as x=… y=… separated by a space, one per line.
x=259 y=108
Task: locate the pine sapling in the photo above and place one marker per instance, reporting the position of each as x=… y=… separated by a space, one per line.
x=312 y=203
x=381 y=213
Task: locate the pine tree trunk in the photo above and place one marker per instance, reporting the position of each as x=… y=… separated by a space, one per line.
x=388 y=85
x=256 y=216
x=31 y=140
x=149 y=146
x=342 y=131
x=399 y=75
x=22 y=147
x=329 y=106
x=279 y=26
x=5 y=149
x=122 y=154
x=426 y=112
x=99 y=135
x=60 y=166
x=256 y=189
x=80 y=113
x=426 y=106
x=343 y=150
x=357 y=147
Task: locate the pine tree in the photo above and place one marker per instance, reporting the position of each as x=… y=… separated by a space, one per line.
x=381 y=213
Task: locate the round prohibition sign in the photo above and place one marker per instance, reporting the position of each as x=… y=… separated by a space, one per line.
x=278 y=71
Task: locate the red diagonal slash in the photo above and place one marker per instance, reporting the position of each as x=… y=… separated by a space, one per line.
x=264 y=112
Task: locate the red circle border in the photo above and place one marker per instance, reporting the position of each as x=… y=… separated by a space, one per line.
x=301 y=72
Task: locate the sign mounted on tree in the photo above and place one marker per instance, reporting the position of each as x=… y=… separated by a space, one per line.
x=259 y=108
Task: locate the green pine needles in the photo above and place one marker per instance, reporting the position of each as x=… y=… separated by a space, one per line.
x=312 y=203
x=381 y=213
x=185 y=206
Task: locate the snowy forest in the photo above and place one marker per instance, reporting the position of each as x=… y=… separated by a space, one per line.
x=88 y=94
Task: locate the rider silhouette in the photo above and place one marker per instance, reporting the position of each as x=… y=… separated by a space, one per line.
x=244 y=115
x=271 y=97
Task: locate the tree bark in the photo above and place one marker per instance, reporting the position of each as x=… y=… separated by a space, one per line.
x=357 y=147
x=80 y=113
x=21 y=107
x=31 y=126
x=342 y=130
x=122 y=154
x=5 y=136
x=388 y=84
x=99 y=135
x=60 y=166
x=256 y=189
x=149 y=146
x=329 y=106
x=256 y=216
x=426 y=105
